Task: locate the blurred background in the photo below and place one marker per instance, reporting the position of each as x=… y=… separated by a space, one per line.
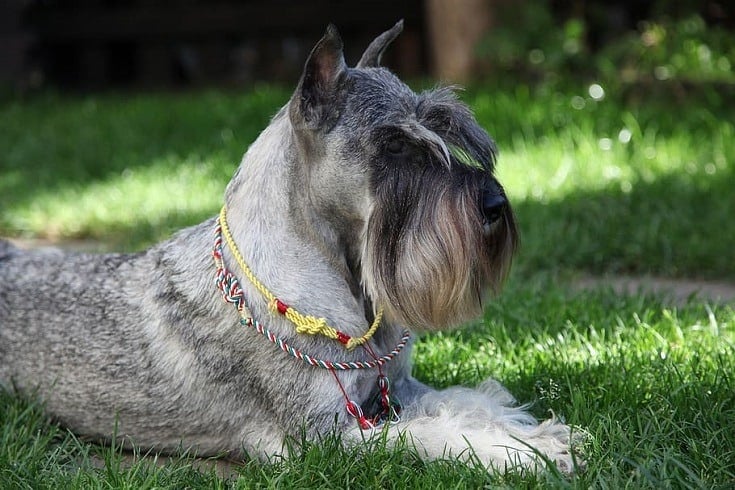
x=89 y=45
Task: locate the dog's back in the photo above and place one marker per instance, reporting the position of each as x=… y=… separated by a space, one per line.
x=116 y=340
x=71 y=331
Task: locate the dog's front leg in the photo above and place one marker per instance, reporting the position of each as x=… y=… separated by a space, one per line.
x=485 y=423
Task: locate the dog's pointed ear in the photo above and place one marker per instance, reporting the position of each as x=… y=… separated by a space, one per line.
x=373 y=53
x=318 y=98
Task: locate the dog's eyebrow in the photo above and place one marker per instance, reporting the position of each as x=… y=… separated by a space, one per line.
x=436 y=111
x=417 y=131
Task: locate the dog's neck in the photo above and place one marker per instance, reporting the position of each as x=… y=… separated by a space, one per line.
x=288 y=251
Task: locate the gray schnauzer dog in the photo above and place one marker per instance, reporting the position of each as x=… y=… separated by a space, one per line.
x=363 y=208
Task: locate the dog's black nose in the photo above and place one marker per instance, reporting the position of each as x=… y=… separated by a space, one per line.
x=493 y=206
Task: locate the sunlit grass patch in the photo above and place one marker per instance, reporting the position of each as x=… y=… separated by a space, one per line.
x=649 y=385
x=153 y=197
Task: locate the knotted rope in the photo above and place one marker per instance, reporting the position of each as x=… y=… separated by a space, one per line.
x=306 y=324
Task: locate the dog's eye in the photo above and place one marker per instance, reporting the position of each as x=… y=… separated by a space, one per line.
x=396 y=146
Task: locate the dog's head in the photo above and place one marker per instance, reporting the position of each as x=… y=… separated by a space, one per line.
x=405 y=182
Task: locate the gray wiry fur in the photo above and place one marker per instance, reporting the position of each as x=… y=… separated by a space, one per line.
x=348 y=200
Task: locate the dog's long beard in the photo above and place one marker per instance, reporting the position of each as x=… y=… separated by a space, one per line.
x=430 y=266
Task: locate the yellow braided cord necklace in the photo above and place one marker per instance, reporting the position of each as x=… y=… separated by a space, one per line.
x=304 y=323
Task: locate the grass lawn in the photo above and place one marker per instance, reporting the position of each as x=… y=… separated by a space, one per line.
x=636 y=182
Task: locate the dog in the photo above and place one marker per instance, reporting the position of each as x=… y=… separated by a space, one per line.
x=362 y=214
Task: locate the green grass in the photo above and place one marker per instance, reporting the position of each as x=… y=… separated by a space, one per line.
x=125 y=170
x=651 y=385
x=619 y=185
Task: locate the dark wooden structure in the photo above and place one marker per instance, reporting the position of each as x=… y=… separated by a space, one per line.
x=90 y=44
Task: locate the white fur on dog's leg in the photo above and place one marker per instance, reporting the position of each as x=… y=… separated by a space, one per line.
x=460 y=422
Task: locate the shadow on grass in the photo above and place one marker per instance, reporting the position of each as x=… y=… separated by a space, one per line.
x=675 y=226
